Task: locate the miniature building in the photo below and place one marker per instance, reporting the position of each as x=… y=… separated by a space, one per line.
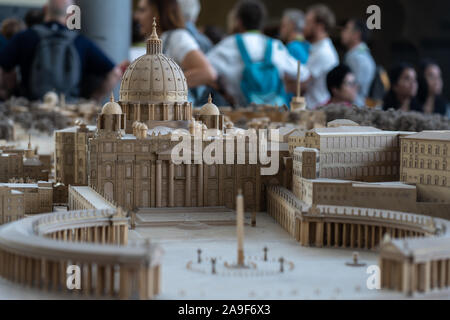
x=71 y=154
x=38 y=197
x=356 y=153
x=296 y=139
x=425 y=158
x=415 y=265
x=12 y=205
x=130 y=156
x=11 y=166
x=342 y=226
x=23 y=164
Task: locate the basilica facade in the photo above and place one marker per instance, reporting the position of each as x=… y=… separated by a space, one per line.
x=130 y=155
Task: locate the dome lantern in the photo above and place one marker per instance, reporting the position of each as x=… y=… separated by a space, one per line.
x=154 y=44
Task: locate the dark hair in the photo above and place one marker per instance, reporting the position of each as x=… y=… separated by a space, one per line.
x=390 y=100
x=335 y=77
x=361 y=27
x=324 y=16
x=33 y=17
x=169 y=14
x=251 y=13
x=440 y=103
x=396 y=72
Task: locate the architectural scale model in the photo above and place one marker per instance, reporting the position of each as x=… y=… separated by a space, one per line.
x=224 y=229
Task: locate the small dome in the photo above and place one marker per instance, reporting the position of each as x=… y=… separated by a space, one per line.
x=142 y=126
x=51 y=98
x=112 y=107
x=135 y=124
x=209 y=109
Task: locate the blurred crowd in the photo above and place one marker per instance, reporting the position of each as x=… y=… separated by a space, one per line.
x=238 y=66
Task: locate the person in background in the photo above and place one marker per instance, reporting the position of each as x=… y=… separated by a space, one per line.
x=190 y=10
x=402 y=95
x=33 y=17
x=341 y=84
x=40 y=74
x=215 y=34
x=12 y=26
x=291 y=33
x=178 y=43
x=354 y=37
x=247 y=20
x=430 y=88
x=322 y=57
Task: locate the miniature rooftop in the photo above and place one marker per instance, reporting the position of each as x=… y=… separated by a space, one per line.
x=431 y=135
x=355 y=130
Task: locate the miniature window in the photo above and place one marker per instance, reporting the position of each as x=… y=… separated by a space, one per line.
x=108 y=147
x=421 y=164
x=212 y=171
x=69 y=159
x=109 y=190
x=429 y=164
x=445 y=151
x=436 y=164
x=444 y=182
x=422 y=149
x=428 y=179
x=145 y=171
x=444 y=165
x=180 y=171
x=438 y=150
x=430 y=150
x=436 y=180
x=108 y=171
x=421 y=179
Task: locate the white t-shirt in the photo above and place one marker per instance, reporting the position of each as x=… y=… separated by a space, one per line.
x=177 y=44
x=322 y=59
x=225 y=57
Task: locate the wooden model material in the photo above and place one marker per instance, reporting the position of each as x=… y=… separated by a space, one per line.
x=240 y=229
x=130 y=154
x=298 y=102
x=425 y=159
x=37 y=197
x=23 y=164
x=12 y=206
x=71 y=146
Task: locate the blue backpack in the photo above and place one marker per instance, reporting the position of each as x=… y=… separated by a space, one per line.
x=261 y=83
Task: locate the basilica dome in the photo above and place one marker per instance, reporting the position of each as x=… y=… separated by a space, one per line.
x=154 y=78
x=111 y=107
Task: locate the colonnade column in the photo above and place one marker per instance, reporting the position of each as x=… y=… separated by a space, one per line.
x=158 y=183
x=200 y=185
x=188 y=186
x=171 y=184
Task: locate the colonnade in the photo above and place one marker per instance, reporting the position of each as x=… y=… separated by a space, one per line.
x=409 y=276
x=96 y=245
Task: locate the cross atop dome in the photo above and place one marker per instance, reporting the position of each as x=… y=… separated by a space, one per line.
x=154 y=44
